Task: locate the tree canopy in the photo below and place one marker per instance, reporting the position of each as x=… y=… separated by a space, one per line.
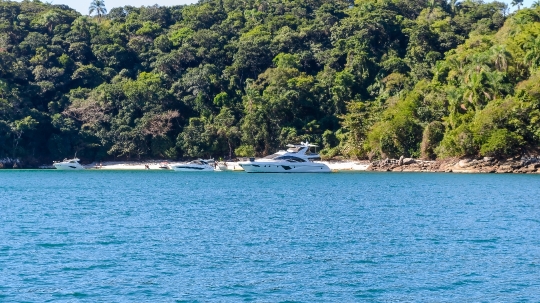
x=363 y=79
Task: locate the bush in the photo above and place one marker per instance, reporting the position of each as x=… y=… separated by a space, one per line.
x=162 y=146
x=245 y=151
x=458 y=142
x=329 y=139
x=432 y=136
x=502 y=142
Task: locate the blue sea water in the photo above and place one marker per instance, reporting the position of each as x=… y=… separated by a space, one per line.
x=160 y=236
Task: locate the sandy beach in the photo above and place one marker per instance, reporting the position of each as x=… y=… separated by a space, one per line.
x=128 y=165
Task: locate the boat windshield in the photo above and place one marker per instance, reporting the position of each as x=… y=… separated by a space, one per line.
x=296 y=149
x=290 y=159
x=272 y=156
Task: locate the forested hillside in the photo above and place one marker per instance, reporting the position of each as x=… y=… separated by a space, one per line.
x=364 y=79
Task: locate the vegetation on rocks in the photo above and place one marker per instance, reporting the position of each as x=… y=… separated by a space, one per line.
x=363 y=79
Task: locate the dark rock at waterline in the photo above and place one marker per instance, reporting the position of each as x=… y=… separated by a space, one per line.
x=408 y=161
x=6 y=165
x=534 y=166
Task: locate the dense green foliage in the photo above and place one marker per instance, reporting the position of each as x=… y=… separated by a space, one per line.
x=370 y=78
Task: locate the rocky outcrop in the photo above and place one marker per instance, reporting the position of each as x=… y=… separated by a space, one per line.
x=404 y=165
x=524 y=165
x=10 y=163
x=408 y=161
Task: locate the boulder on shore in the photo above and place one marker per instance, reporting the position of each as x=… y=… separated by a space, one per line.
x=408 y=161
x=465 y=163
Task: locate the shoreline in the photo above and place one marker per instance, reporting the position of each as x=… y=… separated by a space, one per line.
x=530 y=165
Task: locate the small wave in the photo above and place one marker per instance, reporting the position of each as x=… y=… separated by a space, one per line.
x=52 y=245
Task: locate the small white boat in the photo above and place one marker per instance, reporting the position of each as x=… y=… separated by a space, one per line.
x=228 y=166
x=164 y=165
x=68 y=164
x=196 y=165
x=296 y=159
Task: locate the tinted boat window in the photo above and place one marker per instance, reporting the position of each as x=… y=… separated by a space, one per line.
x=291 y=159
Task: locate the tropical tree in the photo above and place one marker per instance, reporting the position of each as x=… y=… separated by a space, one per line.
x=517 y=3
x=364 y=77
x=226 y=129
x=500 y=55
x=454 y=6
x=475 y=90
x=98 y=7
x=50 y=19
x=18 y=127
x=532 y=54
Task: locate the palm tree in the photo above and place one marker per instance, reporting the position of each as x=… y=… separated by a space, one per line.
x=498 y=85
x=454 y=6
x=50 y=19
x=532 y=55
x=500 y=56
x=431 y=5
x=4 y=89
x=455 y=104
x=97 y=6
x=475 y=90
x=478 y=62
x=517 y=3
x=536 y=4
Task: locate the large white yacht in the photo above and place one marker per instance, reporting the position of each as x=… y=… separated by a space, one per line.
x=68 y=164
x=196 y=165
x=296 y=159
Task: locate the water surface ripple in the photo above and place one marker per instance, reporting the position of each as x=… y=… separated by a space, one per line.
x=128 y=236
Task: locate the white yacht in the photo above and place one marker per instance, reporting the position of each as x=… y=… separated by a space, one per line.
x=296 y=159
x=196 y=165
x=68 y=164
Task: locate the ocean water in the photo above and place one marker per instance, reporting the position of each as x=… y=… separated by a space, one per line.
x=160 y=236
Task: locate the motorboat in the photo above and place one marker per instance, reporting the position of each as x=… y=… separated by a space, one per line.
x=68 y=164
x=228 y=166
x=164 y=165
x=296 y=159
x=196 y=165
x=222 y=166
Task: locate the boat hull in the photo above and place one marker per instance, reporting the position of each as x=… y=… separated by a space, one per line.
x=277 y=167
x=190 y=168
x=68 y=166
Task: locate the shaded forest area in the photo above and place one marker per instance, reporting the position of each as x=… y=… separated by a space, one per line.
x=363 y=79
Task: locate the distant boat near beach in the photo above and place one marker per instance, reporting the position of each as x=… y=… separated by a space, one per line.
x=196 y=165
x=68 y=164
x=296 y=159
x=228 y=166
